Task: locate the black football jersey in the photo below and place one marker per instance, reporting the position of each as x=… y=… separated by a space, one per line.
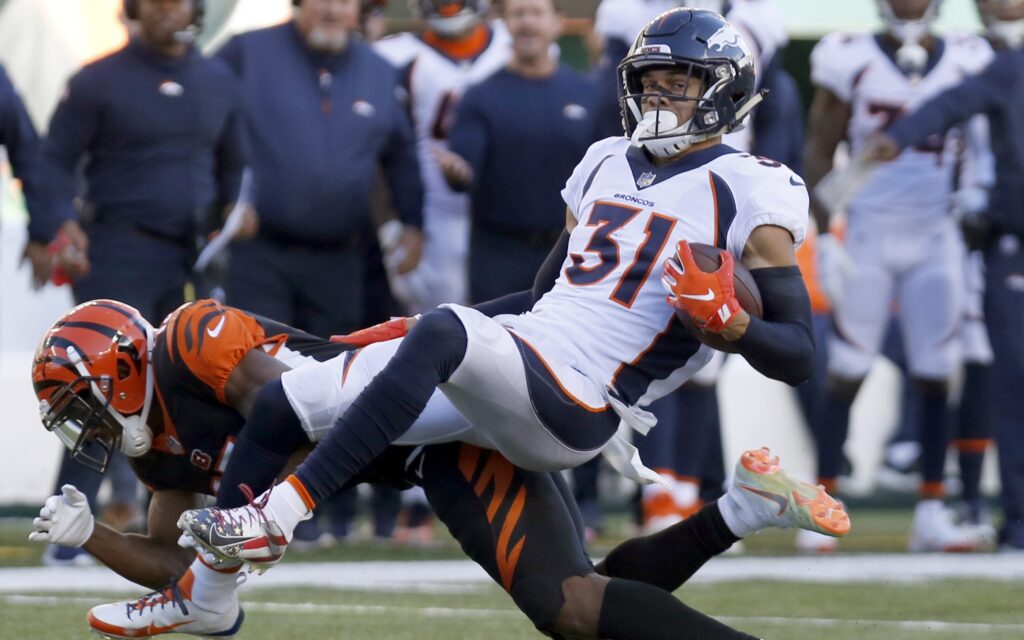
x=197 y=348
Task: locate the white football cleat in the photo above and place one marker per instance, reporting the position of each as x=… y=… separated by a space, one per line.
x=767 y=496
x=243 y=533
x=934 y=529
x=168 y=611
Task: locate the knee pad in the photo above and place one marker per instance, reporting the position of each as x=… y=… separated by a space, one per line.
x=438 y=338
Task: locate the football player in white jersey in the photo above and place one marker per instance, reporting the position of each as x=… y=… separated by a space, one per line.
x=679 y=458
x=456 y=48
x=548 y=387
x=902 y=245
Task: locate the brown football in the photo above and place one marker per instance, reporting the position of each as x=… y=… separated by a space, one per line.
x=747 y=294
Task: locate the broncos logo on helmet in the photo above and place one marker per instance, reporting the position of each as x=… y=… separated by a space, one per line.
x=705 y=47
x=94 y=382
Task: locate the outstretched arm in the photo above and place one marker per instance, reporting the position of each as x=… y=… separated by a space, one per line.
x=154 y=558
x=826 y=127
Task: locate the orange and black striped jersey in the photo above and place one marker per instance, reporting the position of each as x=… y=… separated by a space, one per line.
x=196 y=349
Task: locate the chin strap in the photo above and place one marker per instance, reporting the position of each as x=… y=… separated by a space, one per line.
x=744 y=111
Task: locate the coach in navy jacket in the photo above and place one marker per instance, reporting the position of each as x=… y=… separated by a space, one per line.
x=997 y=92
x=144 y=150
x=322 y=115
x=18 y=136
x=144 y=146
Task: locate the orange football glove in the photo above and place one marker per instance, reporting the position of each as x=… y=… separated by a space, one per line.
x=708 y=298
x=393 y=328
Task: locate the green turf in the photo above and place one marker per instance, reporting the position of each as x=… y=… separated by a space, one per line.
x=765 y=609
x=795 y=612
x=874 y=530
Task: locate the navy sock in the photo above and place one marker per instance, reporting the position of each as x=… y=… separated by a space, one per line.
x=934 y=434
x=973 y=429
x=638 y=611
x=669 y=558
x=388 y=406
x=835 y=423
x=270 y=435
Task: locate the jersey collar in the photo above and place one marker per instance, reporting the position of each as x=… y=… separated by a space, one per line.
x=647 y=174
x=889 y=48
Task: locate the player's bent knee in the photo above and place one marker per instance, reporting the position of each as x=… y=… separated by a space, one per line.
x=438 y=337
x=581 y=611
x=569 y=607
x=441 y=324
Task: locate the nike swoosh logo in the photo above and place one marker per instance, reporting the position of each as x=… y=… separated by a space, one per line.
x=710 y=295
x=793 y=181
x=155 y=630
x=213 y=332
x=774 y=497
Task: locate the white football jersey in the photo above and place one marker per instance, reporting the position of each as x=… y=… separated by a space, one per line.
x=606 y=315
x=435 y=84
x=856 y=69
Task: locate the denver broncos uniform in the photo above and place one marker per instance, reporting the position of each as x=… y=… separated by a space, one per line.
x=900 y=234
x=435 y=80
x=548 y=387
x=501 y=515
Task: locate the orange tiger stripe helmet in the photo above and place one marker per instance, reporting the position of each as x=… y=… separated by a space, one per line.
x=93 y=377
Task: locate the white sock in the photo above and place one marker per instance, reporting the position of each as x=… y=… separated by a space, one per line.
x=287 y=508
x=737 y=514
x=214 y=587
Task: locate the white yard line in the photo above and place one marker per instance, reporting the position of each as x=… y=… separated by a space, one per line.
x=450 y=612
x=458 y=576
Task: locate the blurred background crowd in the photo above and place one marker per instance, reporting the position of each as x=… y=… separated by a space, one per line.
x=357 y=160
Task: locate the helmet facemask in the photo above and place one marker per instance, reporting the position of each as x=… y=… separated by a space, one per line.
x=453 y=18
x=659 y=130
x=79 y=418
x=83 y=416
x=911 y=56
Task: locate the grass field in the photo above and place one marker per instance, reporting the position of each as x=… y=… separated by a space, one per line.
x=945 y=609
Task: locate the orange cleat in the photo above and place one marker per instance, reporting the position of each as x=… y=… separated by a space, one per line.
x=781 y=500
